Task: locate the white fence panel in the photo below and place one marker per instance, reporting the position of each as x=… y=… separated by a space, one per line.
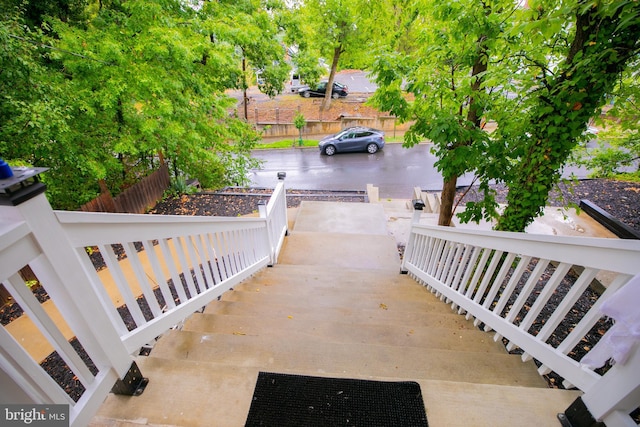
x=160 y=269
x=114 y=282
x=529 y=289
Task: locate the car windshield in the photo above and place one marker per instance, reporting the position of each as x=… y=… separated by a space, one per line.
x=343 y=134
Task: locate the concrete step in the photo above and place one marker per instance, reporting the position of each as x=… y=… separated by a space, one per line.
x=352 y=359
x=278 y=328
x=328 y=299
x=381 y=313
x=196 y=394
x=311 y=278
x=317 y=286
x=341 y=250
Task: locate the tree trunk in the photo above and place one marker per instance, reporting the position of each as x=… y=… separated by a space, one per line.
x=326 y=102
x=245 y=99
x=474 y=116
x=446 y=201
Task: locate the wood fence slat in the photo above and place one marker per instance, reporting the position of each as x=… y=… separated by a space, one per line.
x=135 y=199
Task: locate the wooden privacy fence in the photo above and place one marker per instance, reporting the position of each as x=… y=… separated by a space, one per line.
x=135 y=199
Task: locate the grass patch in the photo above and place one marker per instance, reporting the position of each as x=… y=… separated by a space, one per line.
x=287 y=143
x=632 y=177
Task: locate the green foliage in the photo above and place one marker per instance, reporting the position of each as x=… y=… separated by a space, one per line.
x=619 y=140
x=110 y=97
x=603 y=38
x=299 y=122
x=447 y=74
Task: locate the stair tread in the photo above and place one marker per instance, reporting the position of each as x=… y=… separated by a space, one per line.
x=176 y=387
x=350 y=358
x=307 y=279
x=346 y=332
x=381 y=313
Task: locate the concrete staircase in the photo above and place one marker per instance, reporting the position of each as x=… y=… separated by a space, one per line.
x=336 y=306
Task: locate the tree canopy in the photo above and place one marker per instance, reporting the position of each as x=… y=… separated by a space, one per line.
x=540 y=71
x=101 y=92
x=138 y=83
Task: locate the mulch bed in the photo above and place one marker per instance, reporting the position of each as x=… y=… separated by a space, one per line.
x=620 y=199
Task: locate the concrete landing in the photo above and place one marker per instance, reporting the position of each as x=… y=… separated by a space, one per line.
x=336 y=217
x=356 y=251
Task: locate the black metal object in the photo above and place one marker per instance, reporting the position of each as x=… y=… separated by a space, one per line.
x=282 y=176
x=22 y=186
x=612 y=224
x=418 y=204
x=133 y=383
x=578 y=415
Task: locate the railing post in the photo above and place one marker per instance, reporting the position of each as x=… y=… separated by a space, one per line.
x=262 y=212
x=418 y=207
x=281 y=177
x=611 y=398
x=74 y=299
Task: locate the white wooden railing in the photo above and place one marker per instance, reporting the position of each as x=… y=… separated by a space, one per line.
x=161 y=268
x=523 y=287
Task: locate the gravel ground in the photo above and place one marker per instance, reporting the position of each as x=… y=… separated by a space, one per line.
x=620 y=199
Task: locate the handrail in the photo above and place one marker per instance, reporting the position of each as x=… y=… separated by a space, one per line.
x=115 y=282
x=509 y=282
x=203 y=256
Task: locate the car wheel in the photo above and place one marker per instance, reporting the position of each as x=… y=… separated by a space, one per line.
x=329 y=150
x=335 y=95
x=306 y=94
x=372 y=148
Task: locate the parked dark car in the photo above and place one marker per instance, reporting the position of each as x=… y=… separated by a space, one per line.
x=339 y=90
x=352 y=139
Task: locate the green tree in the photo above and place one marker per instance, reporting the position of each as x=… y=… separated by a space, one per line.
x=602 y=39
x=619 y=140
x=149 y=87
x=251 y=28
x=35 y=111
x=299 y=123
x=445 y=71
x=331 y=30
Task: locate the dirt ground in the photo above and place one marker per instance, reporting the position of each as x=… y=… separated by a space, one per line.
x=285 y=107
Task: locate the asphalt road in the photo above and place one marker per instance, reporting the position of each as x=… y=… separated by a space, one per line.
x=394 y=170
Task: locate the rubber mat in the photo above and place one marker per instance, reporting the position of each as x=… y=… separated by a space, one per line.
x=304 y=401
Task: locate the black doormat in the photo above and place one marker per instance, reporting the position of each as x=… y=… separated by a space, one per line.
x=301 y=401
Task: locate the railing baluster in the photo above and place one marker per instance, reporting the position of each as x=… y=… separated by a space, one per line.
x=33 y=379
x=136 y=265
x=126 y=292
x=549 y=288
x=196 y=263
x=567 y=303
x=173 y=267
x=179 y=246
x=592 y=316
x=28 y=302
x=508 y=291
x=477 y=269
x=525 y=293
x=160 y=279
x=204 y=260
x=213 y=257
